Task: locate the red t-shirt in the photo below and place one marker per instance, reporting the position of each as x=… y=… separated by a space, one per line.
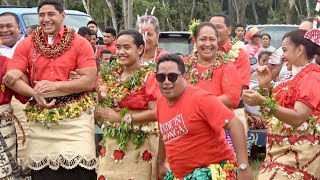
x=192 y=130
x=242 y=63
x=6 y=93
x=79 y=56
x=111 y=47
x=225 y=80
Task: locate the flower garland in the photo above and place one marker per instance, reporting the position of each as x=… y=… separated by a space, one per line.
x=51 y=51
x=56 y=115
x=233 y=52
x=192 y=73
x=114 y=91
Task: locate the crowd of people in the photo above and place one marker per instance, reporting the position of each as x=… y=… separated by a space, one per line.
x=163 y=116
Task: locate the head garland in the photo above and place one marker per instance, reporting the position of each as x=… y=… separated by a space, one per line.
x=193 y=26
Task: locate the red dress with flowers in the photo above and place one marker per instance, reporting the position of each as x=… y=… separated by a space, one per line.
x=132 y=162
x=294 y=153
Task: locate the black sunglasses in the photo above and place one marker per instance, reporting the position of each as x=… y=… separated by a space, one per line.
x=172 y=77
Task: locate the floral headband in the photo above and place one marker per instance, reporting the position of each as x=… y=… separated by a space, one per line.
x=193 y=26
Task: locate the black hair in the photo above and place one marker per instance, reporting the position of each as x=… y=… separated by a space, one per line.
x=85 y=31
x=266 y=34
x=92 y=22
x=11 y=14
x=105 y=51
x=240 y=25
x=263 y=53
x=204 y=24
x=111 y=30
x=297 y=37
x=57 y=5
x=225 y=17
x=173 y=58
x=137 y=37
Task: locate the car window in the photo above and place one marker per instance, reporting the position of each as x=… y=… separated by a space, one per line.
x=175 y=43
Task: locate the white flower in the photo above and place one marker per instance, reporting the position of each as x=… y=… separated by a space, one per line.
x=303 y=127
x=318 y=127
x=135 y=127
x=145 y=129
x=287 y=126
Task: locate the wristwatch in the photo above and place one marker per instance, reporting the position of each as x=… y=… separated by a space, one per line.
x=243 y=166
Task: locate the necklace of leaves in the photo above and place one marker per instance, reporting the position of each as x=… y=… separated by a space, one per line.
x=117 y=90
x=192 y=73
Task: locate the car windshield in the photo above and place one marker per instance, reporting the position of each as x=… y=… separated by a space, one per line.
x=72 y=20
x=276 y=33
x=175 y=43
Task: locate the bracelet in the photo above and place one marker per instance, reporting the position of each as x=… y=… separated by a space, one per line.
x=268 y=108
x=126 y=116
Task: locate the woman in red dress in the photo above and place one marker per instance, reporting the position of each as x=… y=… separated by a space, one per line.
x=293 y=109
x=207 y=70
x=148 y=26
x=127 y=95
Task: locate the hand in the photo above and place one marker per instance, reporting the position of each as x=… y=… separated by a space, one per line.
x=108 y=114
x=42 y=102
x=74 y=75
x=252 y=97
x=45 y=86
x=245 y=174
x=264 y=76
x=11 y=77
x=101 y=92
x=162 y=170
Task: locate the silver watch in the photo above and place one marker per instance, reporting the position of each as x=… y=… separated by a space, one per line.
x=243 y=166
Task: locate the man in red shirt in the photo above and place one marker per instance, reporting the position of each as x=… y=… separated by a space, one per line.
x=62 y=123
x=191 y=123
x=242 y=62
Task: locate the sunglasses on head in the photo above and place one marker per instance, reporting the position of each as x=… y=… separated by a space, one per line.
x=172 y=77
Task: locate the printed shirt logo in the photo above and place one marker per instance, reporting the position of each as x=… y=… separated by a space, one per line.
x=173 y=129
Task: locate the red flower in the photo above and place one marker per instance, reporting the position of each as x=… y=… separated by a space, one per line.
x=118 y=155
x=146 y=156
x=103 y=151
x=101 y=177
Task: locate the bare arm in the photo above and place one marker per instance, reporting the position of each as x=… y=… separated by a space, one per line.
x=21 y=87
x=238 y=137
x=294 y=117
x=86 y=82
x=145 y=115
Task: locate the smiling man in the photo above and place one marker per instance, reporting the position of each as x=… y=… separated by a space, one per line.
x=61 y=144
x=192 y=123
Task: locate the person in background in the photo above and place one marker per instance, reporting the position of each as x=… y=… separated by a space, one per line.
x=105 y=57
x=30 y=29
x=9 y=25
x=254 y=38
x=192 y=123
x=263 y=59
x=93 y=26
x=109 y=37
x=148 y=26
x=265 y=43
x=292 y=110
x=239 y=31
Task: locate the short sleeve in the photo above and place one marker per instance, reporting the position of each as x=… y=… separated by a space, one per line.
x=243 y=65
x=231 y=84
x=85 y=52
x=308 y=91
x=20 y=56
x=214 y=111
x=152 y=90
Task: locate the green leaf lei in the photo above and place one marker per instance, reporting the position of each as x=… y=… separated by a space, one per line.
x=116 y=90
x=268 y=108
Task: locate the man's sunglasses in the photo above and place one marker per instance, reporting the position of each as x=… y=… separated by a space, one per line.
x=172 y=77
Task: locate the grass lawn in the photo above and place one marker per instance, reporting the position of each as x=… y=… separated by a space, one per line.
x=256 y=163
